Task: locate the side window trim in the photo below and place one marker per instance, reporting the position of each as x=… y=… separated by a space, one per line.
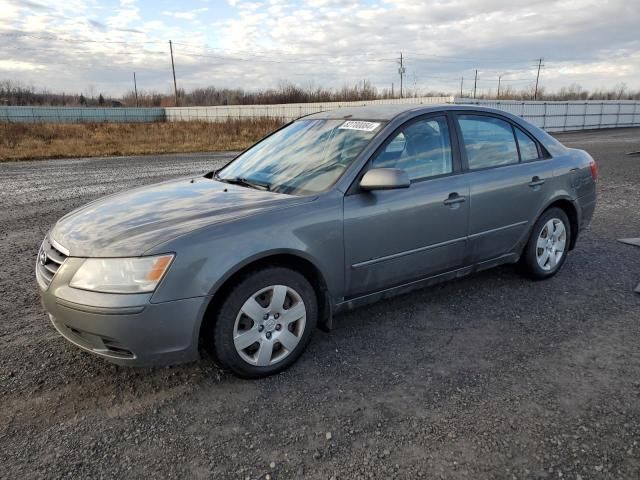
x=460 y=140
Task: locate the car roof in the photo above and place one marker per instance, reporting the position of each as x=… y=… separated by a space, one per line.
x=386 y=112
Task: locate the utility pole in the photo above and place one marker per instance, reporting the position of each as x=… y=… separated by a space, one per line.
x=135 y=87
x=475 y=84
x=535 y=92
x=461 y=85
x=401 y=71
x=173 y=68
x=392 y=94
x=499 y=79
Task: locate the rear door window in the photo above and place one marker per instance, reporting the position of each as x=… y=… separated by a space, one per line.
x=528 y=148
x=487 y=141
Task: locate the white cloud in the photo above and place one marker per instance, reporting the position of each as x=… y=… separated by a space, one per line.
x=17 y=65
x=324 y=42
x=186 y=15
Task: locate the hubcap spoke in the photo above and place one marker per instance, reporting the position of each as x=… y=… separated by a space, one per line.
x=245 y=339
x=294 y=313
x=288 y=340
x=253 y=310
x=264 y=353
x=277 y=299
x=550 y=228
x=543 y=258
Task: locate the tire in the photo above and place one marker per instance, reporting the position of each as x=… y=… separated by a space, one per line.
x=277 y=308
x=543 y=257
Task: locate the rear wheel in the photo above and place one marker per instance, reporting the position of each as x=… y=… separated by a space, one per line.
x=265 y=323
x=548 y=245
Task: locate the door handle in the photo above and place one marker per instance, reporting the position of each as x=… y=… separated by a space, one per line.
x=536 y=181
x=454 y=199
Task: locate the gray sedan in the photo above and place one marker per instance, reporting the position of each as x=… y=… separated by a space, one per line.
x=332 y=211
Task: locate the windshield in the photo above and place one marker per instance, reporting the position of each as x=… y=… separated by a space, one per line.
x=305 y=157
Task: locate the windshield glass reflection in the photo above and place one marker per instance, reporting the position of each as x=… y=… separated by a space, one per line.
x=306 y=157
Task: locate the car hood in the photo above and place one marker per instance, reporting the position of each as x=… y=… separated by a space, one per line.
x=132 y=222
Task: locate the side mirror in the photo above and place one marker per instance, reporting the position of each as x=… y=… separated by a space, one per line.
x=385 y=179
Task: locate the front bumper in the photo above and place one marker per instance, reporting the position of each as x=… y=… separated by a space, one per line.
x=124 y=329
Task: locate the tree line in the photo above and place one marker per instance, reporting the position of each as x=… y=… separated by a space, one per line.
x=15 y=93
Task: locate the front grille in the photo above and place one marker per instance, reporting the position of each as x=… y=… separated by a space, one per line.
x=50 y=259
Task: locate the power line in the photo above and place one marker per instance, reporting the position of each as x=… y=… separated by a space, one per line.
x=120 y=48
x=262 y=52
x=49 y=38
x=254 y=53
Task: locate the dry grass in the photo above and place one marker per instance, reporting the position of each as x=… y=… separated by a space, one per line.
x=20 y=141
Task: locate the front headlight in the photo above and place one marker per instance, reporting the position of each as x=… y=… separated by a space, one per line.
x=121 y=275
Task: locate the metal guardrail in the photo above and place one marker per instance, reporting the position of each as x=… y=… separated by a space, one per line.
x=570 y=115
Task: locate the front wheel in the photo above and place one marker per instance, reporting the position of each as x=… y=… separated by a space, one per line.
x=548 y=245
x=265 y=323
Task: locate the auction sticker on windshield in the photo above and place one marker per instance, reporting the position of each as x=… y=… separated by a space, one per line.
x=359 y=125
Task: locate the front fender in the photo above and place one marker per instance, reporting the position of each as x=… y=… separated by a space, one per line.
x=207 y=258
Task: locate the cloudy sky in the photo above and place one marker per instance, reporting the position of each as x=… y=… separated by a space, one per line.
x=96 y=45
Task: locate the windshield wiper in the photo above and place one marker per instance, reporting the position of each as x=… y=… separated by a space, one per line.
x=244 y=182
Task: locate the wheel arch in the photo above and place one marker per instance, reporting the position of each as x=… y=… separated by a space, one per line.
x=568 y=206
x=282 y=258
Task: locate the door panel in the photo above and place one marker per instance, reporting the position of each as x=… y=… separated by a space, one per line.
x=396 y=236
x=505 y=192
x=504 y=203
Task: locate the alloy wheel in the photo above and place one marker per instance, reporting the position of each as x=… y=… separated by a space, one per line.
x=270 y=325
x=551 y=244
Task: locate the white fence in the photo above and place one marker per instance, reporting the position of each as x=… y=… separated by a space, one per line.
x=551 y=116
x=80 y=114
x=567 y=116
x=286 y=111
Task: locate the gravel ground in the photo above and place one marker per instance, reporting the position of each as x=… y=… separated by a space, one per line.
x=491 y=376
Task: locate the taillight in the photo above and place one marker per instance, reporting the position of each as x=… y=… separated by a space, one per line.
x=594 y=170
